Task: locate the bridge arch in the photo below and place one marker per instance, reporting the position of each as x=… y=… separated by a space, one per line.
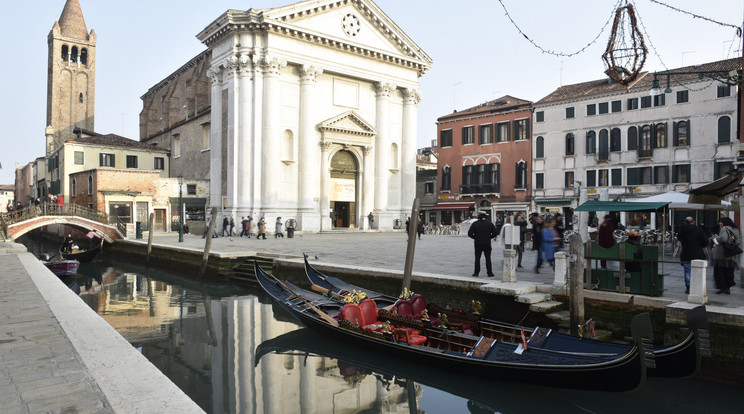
x=16 y=230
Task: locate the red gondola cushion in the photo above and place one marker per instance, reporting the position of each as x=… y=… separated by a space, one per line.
x=353 y=314
x=404 y=308
x=418 y=305
x=369 y=311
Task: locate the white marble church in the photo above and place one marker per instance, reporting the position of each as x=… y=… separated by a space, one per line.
x=313 y=115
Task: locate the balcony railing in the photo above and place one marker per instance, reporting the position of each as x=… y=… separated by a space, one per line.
x=479 y=189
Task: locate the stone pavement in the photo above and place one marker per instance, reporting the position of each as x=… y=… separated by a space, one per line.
x=445 y=256
x=58 y=356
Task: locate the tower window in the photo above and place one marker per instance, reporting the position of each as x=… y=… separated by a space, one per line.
x=65 y=53
x=84 y=56
x=80 y=98
x=74 y=55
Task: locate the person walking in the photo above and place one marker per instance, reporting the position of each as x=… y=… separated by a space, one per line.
x=520 y=224
x=243 y=223
x=605 y=236
x=278 y=228
x=560 y=228
x=693 y=240
x=232 y=226
x=420 y=228
x=537 y=228
x=548 y=244
x=248 y=220
x=482 y=231
x=408 y=227
x=261 y=229
x=371 y=219
x=225 y=225
x=723 y=267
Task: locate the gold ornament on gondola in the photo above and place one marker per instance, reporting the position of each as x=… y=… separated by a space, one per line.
x=626 y=50
x=477 y=307
x=406 y=294
x=355 y=297
x=443 y=321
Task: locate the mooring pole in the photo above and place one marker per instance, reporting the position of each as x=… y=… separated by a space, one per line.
x=207 y=244
x=412 y=228
x=576 y=274
x=149 y=238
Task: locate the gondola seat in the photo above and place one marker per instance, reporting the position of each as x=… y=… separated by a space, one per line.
x=404 y=308
x=408 y=335
x=369 y=313
x=353 y=313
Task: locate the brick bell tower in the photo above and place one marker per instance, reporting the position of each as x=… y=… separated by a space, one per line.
x=70 y=77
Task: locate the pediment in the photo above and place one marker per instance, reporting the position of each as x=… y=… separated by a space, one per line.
x=359 y=23
x=348 y=123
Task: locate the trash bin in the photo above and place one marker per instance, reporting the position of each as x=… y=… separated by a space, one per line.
x=138 y=229
x=290 y=225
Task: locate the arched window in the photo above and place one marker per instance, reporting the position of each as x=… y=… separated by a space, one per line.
x=393 y=156
x=645 y=141
x=446 y=178
x=73 y=187
x=74 y=55
x=661 y=135
x=84 y=56
x=540 y=147
x=615 y=140
x=90 y=184
x=80 y=97
x=65 y=53
x=632 y=138
x=604 y=145
x=591 y=142
x=570 y=144
x=681 y=133
x=288 y=143
x=724 y=130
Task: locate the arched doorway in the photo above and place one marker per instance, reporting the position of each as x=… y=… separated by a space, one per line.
x=344 y=171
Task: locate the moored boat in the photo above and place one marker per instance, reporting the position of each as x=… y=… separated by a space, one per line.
x=60 y=267
x=83 y=255
x=468 y=354
x=676 y=361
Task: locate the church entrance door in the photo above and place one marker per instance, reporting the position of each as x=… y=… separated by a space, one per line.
x=344 y=175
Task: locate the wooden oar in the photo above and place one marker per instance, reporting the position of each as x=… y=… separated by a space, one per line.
x=321 y=289
x=320 y=313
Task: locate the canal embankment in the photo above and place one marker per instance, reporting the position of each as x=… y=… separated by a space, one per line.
x=58 y=355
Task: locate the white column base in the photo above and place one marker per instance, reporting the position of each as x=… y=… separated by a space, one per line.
x=510 y=266
x=698 y=289
x=309 y=222
x=561 y=269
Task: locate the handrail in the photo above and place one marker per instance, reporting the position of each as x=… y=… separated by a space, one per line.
x=53 y=209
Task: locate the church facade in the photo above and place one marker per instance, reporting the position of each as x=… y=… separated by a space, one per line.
x=313 y=114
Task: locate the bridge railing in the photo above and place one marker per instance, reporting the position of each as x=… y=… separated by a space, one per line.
x=53 y=209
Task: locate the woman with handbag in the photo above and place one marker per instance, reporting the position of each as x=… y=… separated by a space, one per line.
x=725 y=256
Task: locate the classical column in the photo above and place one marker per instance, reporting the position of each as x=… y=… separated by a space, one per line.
x=233 y=130
x=411 y=98
x=271 y=131
x=245 y=113
x=368 y=193
x=215 y=139
x=382 y=146
x=325 y=187
x=307 y=156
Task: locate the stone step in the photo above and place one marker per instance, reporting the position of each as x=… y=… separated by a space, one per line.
x=533 y=298
x=546 y=306
x=559 y=317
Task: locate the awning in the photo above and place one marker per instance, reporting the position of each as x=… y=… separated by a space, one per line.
x=553 y=201
x=454 y=206
x=594 y=205
x=711 y=193
x=510 y=206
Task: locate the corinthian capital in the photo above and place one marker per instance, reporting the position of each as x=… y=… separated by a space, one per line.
x=272 y=65
x=384 y=89
x=245 y=63
x=215 y=74
x=310 y=73
x=412 y=96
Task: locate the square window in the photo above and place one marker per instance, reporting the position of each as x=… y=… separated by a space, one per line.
x=484 y=134
x=724 y=91
x=569 y=112
x=429 y=188
x=445 y=138
x=683 y=96
x=468 y=135
x=591 y=109
x=79 y=158
x=502 y=132
x=131 y=161
x=604 y=108
x=540 y=116
x=159 y=163
x=107 y=160
x=617 y=177
x=645 y=102
x=632 y=103
x=539 y=181
x=191 y=189
x=591 y=178
x=617 y=106
x=660 y=100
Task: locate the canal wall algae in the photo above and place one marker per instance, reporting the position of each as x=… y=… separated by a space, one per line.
x=610 y=311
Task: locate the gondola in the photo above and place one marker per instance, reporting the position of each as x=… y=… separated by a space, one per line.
x=676 y=361
x=83 y=255
x=60 y=267
x=468 y=354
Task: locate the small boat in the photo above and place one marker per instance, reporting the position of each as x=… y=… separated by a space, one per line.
x=60 y=267
x=680 y=360
x=472 y=355
x=83 y=255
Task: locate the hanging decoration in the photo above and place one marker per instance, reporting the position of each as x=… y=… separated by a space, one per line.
x=626 y=51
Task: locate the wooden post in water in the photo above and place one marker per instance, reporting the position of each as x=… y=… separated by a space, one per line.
x=149 y=238
x=412 y=228
x=576 y=298
x=208 y=244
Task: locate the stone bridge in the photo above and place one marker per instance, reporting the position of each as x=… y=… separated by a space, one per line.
x=20 y=222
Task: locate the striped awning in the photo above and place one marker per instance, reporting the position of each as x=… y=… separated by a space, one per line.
x=553 y=201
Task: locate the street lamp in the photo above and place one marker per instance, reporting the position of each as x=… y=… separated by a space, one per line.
x=180 y=209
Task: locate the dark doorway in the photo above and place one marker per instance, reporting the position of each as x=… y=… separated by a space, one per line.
x=341 y=215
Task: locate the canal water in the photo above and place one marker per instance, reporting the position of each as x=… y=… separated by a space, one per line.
x=233 y=351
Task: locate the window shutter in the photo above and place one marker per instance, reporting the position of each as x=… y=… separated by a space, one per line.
x=526 y=130
x=675 y=135
x=689 y=132
x=113 y=160
x=508 y=131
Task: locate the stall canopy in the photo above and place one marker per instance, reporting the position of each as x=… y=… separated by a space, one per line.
x=680 y=201
x=594 y=205
x=453 y=206
x=715 y=190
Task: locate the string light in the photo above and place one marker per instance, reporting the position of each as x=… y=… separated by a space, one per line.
x=561 y=54
x=697 y=16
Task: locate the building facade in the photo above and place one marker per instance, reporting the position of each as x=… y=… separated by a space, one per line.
x=7 y=196
x=630 y=143
x=313 y=114
x=484 y=160
x=71 y=77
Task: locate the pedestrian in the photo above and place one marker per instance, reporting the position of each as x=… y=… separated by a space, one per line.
x=225 y=225
x=408 y=227
x=249 y=220
x=482 y=231
x=261 y=229
x=521 y=224
x=206 y=229
x=68 y=243
x=723 y=267
x=420 y=228
x=232 y=226
x=533 y=217
x=606 y=237
x=243 y=222
x=560 y=228
x=371 y=219
x=550 y=243
x=278 y=228
x=537 y=228
x=693 y=240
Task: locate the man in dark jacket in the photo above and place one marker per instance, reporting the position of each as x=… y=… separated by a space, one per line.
x=692 y=238
x=482 y=231
x=605 y=236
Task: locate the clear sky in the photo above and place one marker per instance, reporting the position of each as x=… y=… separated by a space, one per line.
x=478 y=54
